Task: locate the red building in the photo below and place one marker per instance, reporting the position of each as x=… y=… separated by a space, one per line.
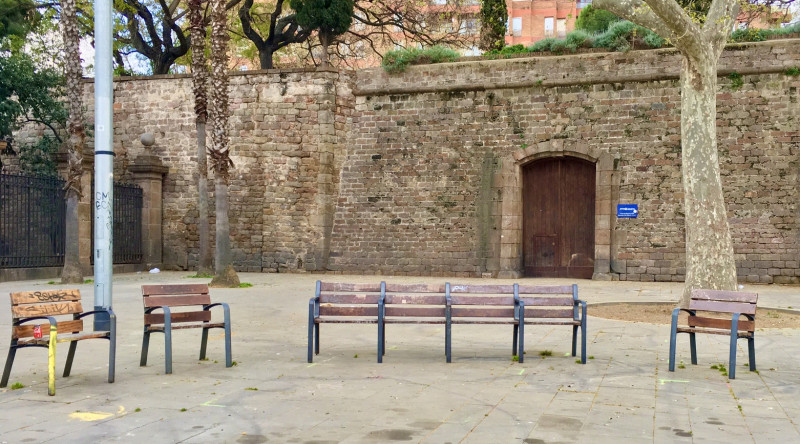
x=532 y=20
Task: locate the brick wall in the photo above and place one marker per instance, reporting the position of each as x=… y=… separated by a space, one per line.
x=419 y=173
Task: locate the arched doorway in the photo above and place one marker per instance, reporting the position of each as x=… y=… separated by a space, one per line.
x=558 y=197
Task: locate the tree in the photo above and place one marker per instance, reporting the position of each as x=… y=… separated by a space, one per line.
x=163 y=40
x=494 y=17
x=281 y=29
x=199 y=84
x=594 y=20
x=72 y=273
x=330 y=18
x=700 y=39
x=29 y=94
x=17 y=17
x=221 y=163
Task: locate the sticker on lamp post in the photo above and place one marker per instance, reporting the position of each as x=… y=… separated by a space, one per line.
x=627 y=211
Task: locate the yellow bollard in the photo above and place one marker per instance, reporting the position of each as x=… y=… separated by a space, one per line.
x=51 y=363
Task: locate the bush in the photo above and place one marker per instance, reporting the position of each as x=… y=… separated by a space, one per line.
x=398 y=60
x=542 y=45
x=595 y=20
x=654 y=40
x=579 y=39
x=749 y=35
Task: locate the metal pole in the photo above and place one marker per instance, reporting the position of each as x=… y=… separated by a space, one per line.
x=103 y=161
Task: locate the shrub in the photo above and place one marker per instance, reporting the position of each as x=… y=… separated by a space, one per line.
x=542 y=45
x=654 y=40
x=398 y=60
x=595 y=20
x=579 y=39
x=749 y=35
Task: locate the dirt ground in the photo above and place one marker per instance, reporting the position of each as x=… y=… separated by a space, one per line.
x=662 y=314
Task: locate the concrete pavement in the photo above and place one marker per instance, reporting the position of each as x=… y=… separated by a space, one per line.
x=624 y=392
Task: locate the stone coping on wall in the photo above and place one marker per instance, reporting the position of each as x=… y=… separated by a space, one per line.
x=231 y=73
x=773 y=56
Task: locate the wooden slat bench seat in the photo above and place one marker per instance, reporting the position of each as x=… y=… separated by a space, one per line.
x=552 y=305
x=64 y=315
x=181 y=306
x=341 y=303
x=513 y=305
x=717 y=312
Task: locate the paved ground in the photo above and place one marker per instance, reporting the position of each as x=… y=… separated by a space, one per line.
x=623 y=394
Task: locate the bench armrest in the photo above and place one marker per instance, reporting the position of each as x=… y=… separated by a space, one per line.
x=582 y=304
x=50 y=319
x=216 y=304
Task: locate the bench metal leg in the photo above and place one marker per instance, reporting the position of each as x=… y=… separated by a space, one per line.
x=145 y=347
x=673 y=333
x=521 y=356
x=732 y=362
x=693 y=347
x=751 y=351
x=381 y=342
x=227 y=318
x=203 y=343
x=168 y=350
x=516 y=338
x=112 y=349
x=574 y=340
x=70 y=355
x=12 y=351
x=583 y=340
x=448 y=343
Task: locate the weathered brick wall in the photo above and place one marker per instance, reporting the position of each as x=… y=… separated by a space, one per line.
x=428 y=182
x=284 y=129
x=419 y=173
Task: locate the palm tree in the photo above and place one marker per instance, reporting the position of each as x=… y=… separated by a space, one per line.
x=199 y=82
x=72 y=273
x=221 y=163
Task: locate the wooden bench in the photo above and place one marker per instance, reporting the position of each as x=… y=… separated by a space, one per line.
x=513 y=305
x=53 y=306
x=341 y=303
x=186 y=298
x=551 y=305
x=717 y=312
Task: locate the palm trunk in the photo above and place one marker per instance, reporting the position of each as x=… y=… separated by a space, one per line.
x=72 y=273
x=709 y=249
x=204 y=266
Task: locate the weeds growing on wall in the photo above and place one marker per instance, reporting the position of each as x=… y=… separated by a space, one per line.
x=621 y=36
x=398 y=60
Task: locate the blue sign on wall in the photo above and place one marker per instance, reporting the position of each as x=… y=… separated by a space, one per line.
x=630 y=211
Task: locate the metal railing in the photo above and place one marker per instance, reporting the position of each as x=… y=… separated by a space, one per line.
x=127 y=230
x=32 y=221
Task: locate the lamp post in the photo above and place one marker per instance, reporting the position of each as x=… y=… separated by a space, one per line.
x=103 y=161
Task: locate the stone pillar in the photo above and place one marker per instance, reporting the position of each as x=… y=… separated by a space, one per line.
x=148 y=172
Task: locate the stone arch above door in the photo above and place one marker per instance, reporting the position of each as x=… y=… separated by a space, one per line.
x=511 y=189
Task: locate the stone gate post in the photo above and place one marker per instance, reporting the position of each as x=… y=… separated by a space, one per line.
x=148 y=172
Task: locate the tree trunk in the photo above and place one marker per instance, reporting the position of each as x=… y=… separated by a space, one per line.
x=224 y=275
x=204 y=266
x=709 y=249
x=265 y=57
x=72 y=273
x=325 y=40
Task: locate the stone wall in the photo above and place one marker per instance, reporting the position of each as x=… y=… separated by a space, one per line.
x=420 y=173
x=286 y=126
x=431 y=184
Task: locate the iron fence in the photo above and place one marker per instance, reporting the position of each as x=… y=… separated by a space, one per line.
x=32 y=221
x=127 y=214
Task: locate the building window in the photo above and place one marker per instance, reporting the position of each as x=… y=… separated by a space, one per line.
x=548 y=26
x=468 y=26
x=561 y=28
x=516 y=26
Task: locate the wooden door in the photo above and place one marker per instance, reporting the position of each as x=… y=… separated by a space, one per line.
x=558 y=199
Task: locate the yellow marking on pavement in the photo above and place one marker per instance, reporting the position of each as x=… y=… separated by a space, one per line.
x=522 y=371
x=311 y=365
x=90 y=416
x=664 y=381
x=209 y=404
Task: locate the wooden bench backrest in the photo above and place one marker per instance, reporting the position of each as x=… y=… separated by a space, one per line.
x=344 y=299
x=46 y=303
x=549 y=301
x=415 y=300
x=178 y=295
x=482 y=301
x=721 y=301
